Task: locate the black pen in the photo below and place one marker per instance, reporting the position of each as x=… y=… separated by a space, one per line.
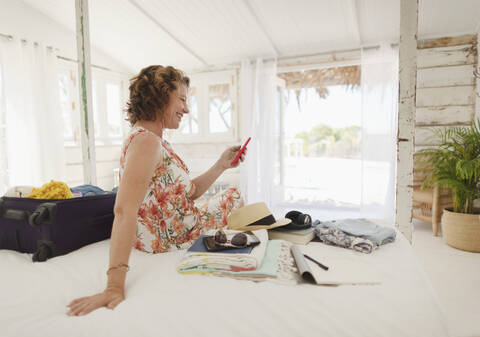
x=315 y=261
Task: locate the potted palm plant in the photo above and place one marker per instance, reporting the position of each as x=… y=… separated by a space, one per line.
x=455 y=165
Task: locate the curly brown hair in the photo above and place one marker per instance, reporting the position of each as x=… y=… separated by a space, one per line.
x=150 y=92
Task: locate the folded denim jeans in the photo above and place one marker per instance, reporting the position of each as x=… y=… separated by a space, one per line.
x=362 y=228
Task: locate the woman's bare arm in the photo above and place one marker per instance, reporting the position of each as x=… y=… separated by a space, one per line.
x=142 y=158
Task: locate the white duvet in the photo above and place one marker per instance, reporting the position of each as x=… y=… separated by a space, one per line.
x=162 y=302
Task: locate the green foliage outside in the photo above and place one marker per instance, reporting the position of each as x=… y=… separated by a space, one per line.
x=323 y=140
x=455 y=164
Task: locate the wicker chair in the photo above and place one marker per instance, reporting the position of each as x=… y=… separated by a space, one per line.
x=428 y=204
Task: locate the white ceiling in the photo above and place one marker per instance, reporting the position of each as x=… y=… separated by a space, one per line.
x=192 y=34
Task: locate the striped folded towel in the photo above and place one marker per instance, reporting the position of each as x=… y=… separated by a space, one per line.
x=195 y=261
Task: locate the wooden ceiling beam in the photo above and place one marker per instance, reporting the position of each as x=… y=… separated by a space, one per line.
x=353 y=12
x=261 y=26
x=162 y=27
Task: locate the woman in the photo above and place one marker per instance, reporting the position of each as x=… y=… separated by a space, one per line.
x=154 y=209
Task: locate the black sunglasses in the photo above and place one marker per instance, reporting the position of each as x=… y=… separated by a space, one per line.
x=239 y=240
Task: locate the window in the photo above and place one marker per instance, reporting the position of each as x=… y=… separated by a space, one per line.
x=68 y=95
x=66 y=103
x=189 y=123
x=212 y=117
x=114 y=110
x=219 y=108
x=108 y=102
x=320 y=165
x=108 y=106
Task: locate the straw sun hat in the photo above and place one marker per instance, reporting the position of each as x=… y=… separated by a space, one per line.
x=253 y=217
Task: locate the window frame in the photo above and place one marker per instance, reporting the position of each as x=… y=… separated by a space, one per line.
x=280 y=189
x=70 y=69
x=202 y=82
x=102 y=79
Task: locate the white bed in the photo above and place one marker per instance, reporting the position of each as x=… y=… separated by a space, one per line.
x=162 y=302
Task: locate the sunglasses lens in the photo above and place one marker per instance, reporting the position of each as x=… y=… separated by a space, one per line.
x=220 y=236
x=239 y=240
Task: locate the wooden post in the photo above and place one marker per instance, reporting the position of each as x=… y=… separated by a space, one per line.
x=85 y=87
x=477 y=81
x=406 y=115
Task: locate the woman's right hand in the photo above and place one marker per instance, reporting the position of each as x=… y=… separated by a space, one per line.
x=110 y=298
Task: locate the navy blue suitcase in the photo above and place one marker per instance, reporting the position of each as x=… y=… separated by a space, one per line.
x=48 y=228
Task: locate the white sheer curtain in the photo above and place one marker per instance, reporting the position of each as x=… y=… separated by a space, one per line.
x=34 y=133
x=379 y=82
x=3 y=139
x=258 y=105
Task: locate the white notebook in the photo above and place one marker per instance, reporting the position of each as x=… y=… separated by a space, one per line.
x=342 y=268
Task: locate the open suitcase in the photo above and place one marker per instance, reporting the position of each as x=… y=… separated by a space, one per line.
x=48 y=228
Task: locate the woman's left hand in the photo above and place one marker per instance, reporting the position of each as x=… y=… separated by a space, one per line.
x=229 y=155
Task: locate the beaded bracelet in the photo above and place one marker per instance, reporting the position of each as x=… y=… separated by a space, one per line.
x=121 y=265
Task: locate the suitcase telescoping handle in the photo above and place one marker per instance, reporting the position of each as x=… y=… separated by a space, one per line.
x=14 y=214
x=43 y=214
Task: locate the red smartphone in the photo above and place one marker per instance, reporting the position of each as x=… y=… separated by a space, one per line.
x=241 y=151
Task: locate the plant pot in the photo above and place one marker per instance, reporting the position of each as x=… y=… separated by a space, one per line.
x=461 y=231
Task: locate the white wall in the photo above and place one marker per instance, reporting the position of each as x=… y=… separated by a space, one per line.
x=22 y=21
x=445 y=86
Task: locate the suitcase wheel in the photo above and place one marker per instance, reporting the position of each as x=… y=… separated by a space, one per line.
x=35 y=219
x=43 y=253
x=43 y=214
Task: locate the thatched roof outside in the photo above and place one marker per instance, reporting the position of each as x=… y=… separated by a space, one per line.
x=320 y=79
x=221 y=91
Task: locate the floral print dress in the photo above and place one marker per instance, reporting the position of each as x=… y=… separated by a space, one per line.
x=168 y=219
